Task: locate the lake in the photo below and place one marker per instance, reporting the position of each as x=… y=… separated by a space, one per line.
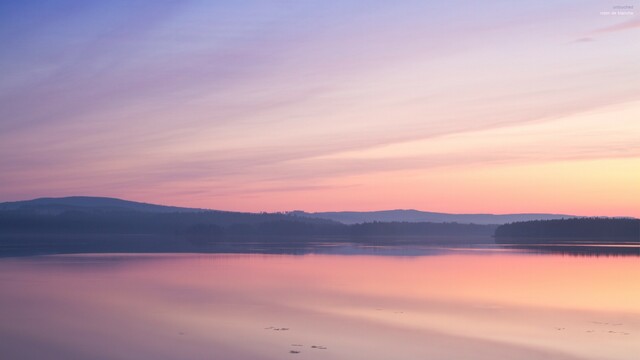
x=336 y=303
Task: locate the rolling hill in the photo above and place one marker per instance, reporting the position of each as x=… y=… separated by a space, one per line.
x=88 y=203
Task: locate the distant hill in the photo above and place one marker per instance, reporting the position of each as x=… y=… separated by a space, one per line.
x=100 y=214
x=95 y=215
x=100 y=204
x=354 y=217
x=88 y=203
x=81 y=225
x=67 y=225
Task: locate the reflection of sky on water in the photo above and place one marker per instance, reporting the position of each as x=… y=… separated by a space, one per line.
x=459 y=304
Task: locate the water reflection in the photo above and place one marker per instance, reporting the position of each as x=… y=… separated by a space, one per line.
x=463 y=303
x=30 y=245
x=580 y=249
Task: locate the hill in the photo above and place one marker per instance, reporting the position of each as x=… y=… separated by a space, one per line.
x=81 y=225
x=87 y=203
x=87 y=215
x=81 y=214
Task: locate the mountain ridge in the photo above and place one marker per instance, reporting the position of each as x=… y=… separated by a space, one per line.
x=59 y=204
x=52 y=205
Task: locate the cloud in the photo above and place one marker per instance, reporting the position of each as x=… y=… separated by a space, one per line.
x=584 y=40
x=196 y=100
x=632 y=24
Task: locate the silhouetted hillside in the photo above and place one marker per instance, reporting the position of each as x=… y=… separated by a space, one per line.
x=600 y=229
x=26 y=232
x=132 y=222
x=99 y=215
x=214 y=224
x=87 y=203
x=104 y=204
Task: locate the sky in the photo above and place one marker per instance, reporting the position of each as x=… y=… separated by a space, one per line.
x=450 y=106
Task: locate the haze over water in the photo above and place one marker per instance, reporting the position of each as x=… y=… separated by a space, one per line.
x=453 y=304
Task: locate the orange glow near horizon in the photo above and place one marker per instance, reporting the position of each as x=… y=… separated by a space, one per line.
x=337 y=107
x=603 y=187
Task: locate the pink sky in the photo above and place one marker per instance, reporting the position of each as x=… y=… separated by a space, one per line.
x=454 y=106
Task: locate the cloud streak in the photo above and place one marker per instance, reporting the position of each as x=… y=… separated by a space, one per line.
x=632 y=24
x=189 y=100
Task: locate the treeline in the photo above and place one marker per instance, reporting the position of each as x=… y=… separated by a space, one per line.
x=601 y=229
x=133 y=222
x=214 y=225
x=296 y=228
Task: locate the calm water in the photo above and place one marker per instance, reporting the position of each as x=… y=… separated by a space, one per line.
x=447 y=304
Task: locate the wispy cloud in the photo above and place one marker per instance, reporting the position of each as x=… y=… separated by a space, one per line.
x=584 y=40
x=632 y=24
x=189 y=99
